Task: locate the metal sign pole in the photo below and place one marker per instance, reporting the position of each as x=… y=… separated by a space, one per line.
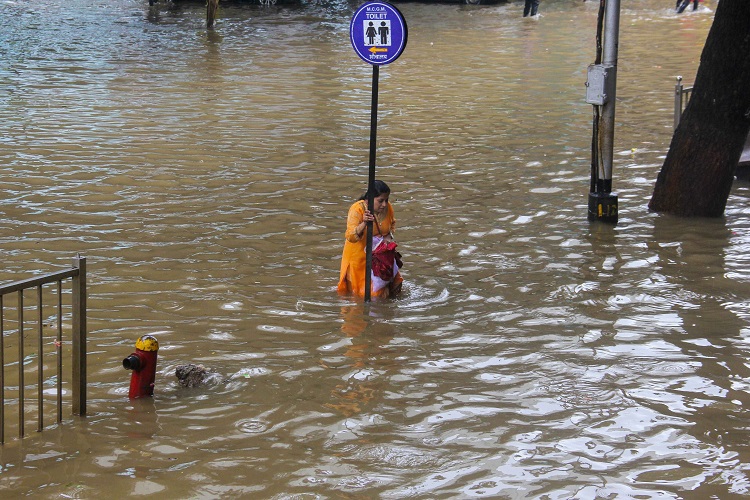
x=611 y=41
x=371 y=179
x=378 y=34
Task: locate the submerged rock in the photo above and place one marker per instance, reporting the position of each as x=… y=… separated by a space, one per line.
x=191 y=375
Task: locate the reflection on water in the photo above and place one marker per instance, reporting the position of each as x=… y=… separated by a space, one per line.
x=366 y=358
x=206 y=176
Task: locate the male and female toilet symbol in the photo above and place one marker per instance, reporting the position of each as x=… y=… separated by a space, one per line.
x=378 y=32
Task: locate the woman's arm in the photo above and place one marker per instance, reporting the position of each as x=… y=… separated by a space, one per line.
x=355 y=223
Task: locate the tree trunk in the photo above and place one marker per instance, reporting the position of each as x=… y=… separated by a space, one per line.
x=698 y=172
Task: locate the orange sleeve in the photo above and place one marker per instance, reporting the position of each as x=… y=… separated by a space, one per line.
x=354 y=219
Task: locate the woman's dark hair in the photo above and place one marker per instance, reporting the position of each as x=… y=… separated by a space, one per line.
x=378 y=188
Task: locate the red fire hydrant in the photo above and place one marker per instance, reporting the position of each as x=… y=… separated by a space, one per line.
x=143 y=364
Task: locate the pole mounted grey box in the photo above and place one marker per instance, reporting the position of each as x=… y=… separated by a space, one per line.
x=600 y=82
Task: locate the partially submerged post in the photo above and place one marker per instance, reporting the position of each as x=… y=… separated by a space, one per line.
x=80 y=329
x=601 y=89
x=371 y=179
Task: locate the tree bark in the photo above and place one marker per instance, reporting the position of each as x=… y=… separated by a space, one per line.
x=697 y=174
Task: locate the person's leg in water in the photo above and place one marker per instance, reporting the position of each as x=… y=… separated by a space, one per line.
x=682 y=5
x=530 y=8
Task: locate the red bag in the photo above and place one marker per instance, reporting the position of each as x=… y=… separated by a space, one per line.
x=383 y=257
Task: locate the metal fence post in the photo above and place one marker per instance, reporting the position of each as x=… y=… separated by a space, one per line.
x=40 y=357
x=2 y=373
x=58 y=350
x=677 y=101
x=79 y=336
x=21 y=384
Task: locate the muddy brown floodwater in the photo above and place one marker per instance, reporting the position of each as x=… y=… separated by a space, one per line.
x=206 y=176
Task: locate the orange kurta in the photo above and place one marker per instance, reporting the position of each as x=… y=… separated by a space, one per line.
x=354 y=259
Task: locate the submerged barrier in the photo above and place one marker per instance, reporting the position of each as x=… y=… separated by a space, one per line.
x=681 y=97
x=52 y=283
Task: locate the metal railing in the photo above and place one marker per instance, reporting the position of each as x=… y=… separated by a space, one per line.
x=78 y=342
x=681 y=97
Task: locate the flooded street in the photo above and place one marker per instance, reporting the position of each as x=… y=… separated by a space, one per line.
x=206 y=176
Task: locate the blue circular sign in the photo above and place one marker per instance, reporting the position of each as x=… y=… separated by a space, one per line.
x=378 y=33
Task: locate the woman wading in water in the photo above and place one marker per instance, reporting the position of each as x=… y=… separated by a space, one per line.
x=386 y=279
